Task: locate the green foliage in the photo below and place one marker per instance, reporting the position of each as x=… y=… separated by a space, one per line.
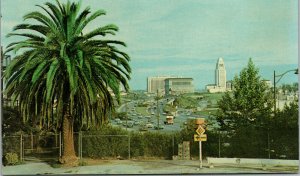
x=82 y=163
x=168 y=108
x=11 y=159
x=11 y=121
x=10 y=144
x=247 y=119
x=121 y=115
x=284 y=132
x=249 y=103
x=289 y=87
x=97 y=144
x=59 y=65
x=183 y=101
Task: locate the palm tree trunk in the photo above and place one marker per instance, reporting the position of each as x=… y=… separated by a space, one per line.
x=68 y=156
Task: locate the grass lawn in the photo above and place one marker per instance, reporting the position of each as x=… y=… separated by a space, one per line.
x=142 y=110
x=206 y=112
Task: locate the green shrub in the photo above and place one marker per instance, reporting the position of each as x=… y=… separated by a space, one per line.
x=11 y=159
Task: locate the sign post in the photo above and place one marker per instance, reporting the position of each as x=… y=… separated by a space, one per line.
x=200 y=136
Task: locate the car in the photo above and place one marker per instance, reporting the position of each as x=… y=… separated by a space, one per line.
x=160 y=127
x=149 y=125
x=130 y=124
x=143 y=128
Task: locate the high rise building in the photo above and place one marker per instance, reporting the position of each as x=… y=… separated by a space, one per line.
x=156 y=83
x=220 y=78
x=220 y=74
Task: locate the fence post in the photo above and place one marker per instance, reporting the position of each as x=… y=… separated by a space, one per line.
x=31 y=138
x=60 y=144
x=21 y=155
x=80 y=145
x=129 y=146
x=78 y=142
x=173 y=143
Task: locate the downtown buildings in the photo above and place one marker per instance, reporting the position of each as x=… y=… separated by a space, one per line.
x=170 y=85
x=221 y=84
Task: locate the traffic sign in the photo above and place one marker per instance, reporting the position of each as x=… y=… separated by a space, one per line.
x=200 y=130
x=202 y=137
x=199 y=121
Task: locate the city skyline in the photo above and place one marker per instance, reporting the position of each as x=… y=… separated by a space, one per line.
x=173 y=37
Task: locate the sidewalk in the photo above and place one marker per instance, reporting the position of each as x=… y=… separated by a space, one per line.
x=138 y=167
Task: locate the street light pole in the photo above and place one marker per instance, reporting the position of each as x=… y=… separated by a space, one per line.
x=274 y=93
x=275 y=82
x=274 y=96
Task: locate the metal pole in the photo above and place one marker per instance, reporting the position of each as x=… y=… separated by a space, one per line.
x=31 y=137
x=274 y=94
x=21 y=154
x=129 y=146
x=81 y=145
x=173 y=144
x=200 y=154
x=269 y=144
x=157 y=108
x=219 y=144
x=126 y=114
x=60 y=144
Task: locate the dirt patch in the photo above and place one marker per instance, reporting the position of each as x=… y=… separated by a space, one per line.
x=91 y=162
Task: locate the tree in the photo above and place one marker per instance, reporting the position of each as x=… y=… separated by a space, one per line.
x=60 y=67
x=284 y=132
x=246 y=110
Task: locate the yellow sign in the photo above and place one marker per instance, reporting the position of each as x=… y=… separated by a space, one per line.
x=202 y=137
x=200 y=130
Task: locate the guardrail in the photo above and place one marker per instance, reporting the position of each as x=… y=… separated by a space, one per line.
x=252 y=161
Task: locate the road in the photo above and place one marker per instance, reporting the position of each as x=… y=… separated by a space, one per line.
x=139 y=120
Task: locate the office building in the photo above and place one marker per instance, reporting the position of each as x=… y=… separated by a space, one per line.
x=156 y=83
x=176 y=86
x=220 y=78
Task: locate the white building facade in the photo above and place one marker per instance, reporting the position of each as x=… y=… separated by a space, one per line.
x=156 y=83
x=177 y=86
x=220 y=78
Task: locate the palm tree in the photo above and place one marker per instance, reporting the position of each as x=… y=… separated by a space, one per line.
x=61 y=64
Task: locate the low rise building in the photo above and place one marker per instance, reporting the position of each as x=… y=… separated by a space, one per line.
x=179 y=85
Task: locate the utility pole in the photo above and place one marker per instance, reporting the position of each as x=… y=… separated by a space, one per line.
x=157 y=108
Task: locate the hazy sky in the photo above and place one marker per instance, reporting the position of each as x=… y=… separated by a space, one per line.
x=186 y=37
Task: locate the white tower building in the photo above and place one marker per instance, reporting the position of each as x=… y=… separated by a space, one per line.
x=220 y=74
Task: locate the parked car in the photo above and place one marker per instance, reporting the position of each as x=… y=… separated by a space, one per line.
x=160 y=127
x=130 y=124
x=149 y=125
x=143 y=128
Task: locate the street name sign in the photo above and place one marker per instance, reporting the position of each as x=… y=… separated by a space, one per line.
x=202 y=137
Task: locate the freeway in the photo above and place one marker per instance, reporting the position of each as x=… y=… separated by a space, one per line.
x=138 y=120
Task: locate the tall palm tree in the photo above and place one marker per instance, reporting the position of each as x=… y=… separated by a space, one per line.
x=59 y=63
